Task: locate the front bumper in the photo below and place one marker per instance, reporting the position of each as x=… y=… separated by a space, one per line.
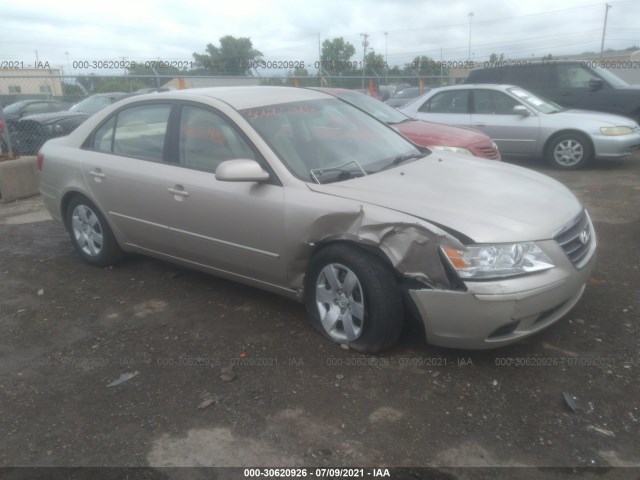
x=615 y=146
x=496 y=313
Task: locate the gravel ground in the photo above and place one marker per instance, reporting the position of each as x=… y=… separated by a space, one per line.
x=217 y=373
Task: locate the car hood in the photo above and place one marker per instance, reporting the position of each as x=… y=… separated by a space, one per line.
x=484 y=200
x=606 y=119
x=430 y=133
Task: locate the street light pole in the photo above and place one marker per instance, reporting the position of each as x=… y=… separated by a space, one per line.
x=604 y=29
x=469 y=54
x=364 y=54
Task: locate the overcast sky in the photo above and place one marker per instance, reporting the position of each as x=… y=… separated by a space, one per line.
x=63 y=32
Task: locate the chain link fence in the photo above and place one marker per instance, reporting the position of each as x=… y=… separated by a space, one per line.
x=38 y=107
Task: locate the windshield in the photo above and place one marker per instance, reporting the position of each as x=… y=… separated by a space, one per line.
x=407 y=93
x=15 y=107
x=92 y=104
x=325 y=141
x=611 y=79
x=544 y=106
x=381 y=111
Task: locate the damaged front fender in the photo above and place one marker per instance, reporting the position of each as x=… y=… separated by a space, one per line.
x=410 y=245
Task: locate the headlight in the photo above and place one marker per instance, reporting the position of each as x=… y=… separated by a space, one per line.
x=462 y=151
x=479 y=262
x=616 y=130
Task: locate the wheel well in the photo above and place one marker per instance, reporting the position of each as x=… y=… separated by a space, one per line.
x=64 y=204
x=360 y=246
x=564 y=132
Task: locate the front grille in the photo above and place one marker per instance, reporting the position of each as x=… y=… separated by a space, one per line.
x=576 y=239
x=488 y=152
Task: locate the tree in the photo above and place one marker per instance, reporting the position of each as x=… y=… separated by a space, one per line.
x=302 y=75
x=495 y=59
x=335 y=57
x=234 y=57
x=374 y=63
x=547 y=57
x=424 y=66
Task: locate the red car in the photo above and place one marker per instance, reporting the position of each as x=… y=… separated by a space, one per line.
x=435 y=136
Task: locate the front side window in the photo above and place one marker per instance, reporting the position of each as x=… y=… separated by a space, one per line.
x=207 y=139
x=454 y=101
x=137 y=132
x=493 y=103
x=573 y=76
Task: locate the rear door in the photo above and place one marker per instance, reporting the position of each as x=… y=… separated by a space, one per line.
x=125 y=171
x=451 y=106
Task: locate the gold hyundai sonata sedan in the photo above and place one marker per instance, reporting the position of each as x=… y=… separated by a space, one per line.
x=296 y=192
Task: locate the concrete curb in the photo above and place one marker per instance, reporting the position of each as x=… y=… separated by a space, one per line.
x=19 y=178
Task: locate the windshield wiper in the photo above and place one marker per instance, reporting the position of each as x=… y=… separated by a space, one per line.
x=343 y=174
x=402 y=158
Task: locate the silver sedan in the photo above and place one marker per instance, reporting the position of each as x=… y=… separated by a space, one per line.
x=302 y=194
x=525 y=125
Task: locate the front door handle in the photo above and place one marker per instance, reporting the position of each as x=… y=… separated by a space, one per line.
x=97 y=175
x=178 y=192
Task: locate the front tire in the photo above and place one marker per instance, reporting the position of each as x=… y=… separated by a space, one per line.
x=569 y=151
x=90 y=233
x=352 y=298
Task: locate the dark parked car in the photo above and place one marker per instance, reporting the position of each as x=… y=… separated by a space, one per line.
x=32 y=131
x=403 y=97
x=19 y=109
x=97 y=102
x=572 y=84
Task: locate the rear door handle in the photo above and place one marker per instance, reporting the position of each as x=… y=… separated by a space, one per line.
x=479 y=124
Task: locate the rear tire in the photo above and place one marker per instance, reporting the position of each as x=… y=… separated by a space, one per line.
x=90 y=233
x=352 y=297
x=569 y=151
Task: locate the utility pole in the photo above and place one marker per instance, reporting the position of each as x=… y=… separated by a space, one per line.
x=604 y=29
x=469 y=55
x=364 y=54
x=386 y=58
x=319 y=62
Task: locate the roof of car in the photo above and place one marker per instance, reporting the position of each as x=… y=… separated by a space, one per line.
x=248 y=97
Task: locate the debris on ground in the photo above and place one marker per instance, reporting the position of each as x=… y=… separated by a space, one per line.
x=228 y=374
x=125 y=377
x=571 y=401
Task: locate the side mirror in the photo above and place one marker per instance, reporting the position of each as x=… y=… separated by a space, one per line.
x=595 y=84
x=242 y=170
x=521 y=110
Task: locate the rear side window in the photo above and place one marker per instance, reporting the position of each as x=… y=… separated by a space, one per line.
x=531 y=76
x=137 y=132
x=455 y=101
